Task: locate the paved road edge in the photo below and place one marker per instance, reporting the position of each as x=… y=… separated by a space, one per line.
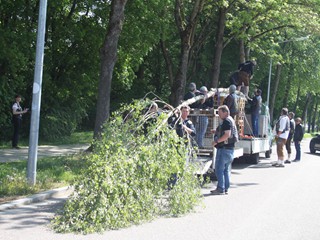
x=37 y=198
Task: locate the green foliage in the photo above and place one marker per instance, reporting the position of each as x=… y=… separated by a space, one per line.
x=127 y=177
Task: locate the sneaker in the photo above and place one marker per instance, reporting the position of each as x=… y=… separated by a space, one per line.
x=274 y=164
x=296 y=160
x=16 y=147
x=279 y=165
x=287 y=161
x=216 y=192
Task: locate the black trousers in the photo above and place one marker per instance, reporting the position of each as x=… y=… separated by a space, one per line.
x=16 y=129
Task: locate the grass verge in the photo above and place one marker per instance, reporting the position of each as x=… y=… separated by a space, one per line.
x=52 y=172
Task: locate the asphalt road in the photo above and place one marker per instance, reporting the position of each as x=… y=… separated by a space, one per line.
x=264 y=203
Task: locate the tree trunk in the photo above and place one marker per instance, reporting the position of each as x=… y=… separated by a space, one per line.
x=186 y=36
x=275 y=90
x=218 y=48
x=108 y=54
x=298 y=96
x=315 y=113
x=288 y=85
x=305 y=108
x=242 y=51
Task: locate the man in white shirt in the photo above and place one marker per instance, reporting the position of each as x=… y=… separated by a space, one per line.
x=282 y=133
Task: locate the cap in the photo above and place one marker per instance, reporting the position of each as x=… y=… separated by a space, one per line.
x=232 y=88
x=192 y=86
x=203 y=89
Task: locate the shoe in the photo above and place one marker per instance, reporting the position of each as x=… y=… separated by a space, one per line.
x=287 y=161
x=16 y=147
x=226 y=192
x=296 y=160
x=217 y=192
x=278 y=165
x=274 y=164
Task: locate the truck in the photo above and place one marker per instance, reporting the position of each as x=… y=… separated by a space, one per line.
x=248 y=147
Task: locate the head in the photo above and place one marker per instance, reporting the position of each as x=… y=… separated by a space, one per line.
x=192 y=87
x=154 y=107
x=203 y=90
x=298 y=120
x=254 y=62
x=185 y=110
x=17 y=98
x=258 y=92
x=232 y=88
x=291 y=115
x=223 y=111
x=284 y=111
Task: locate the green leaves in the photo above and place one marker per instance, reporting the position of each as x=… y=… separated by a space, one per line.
x=127 y=179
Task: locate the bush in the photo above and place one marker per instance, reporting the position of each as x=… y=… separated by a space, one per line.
x=127 y=177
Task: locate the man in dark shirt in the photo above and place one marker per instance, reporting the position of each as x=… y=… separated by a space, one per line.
x=297 y=138
x=226 y=135
x=245 y=74
x=256 y=103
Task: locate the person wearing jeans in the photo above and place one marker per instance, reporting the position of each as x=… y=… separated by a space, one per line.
x=225 y=137
x=297 y=138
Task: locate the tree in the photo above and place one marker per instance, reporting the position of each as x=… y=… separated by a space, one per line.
x=108 y=55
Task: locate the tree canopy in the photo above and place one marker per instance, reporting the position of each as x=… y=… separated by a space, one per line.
x=163 y=45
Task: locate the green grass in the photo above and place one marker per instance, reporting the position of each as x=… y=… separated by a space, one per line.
x=52 y=172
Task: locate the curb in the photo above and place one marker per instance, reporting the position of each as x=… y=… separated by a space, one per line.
x=64 y=191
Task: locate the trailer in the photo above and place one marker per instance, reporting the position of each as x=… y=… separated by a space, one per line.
x=249 y=147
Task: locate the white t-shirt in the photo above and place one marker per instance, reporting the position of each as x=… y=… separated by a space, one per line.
x=284 y=123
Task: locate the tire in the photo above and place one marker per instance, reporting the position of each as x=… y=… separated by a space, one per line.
x=268 y=153
x=253 y=158
x=311 y=146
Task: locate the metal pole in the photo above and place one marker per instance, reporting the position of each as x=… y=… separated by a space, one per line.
x=36 y=97
x=269 y=82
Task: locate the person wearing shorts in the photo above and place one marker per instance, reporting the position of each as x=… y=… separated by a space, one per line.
x=282 y=133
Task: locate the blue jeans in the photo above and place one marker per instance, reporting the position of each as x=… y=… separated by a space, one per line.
x=201 y=129
x=223 y=162
x=255 y=124
x=298 y=150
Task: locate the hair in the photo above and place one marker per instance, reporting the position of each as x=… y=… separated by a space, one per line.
x=232 y=88
x=224 y=108
x=203 y=89
x=259 y=91
x=284 y=111
x=185 y=107
x=298 y=119
x=291 y=114
x=192 y=86
x=17 y=96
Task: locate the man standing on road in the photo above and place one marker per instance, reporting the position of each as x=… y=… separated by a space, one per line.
x=291 y=132
x=298 y=136
x=282 y=133
x=225 y=137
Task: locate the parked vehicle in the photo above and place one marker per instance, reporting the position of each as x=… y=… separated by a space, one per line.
x=315 y=144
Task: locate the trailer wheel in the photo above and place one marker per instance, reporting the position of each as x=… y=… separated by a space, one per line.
x=268 y=153
x=253 y=158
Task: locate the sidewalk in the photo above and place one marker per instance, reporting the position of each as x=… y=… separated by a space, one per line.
x=11 y=155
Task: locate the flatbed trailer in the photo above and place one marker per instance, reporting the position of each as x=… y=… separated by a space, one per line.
x=248 y=147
